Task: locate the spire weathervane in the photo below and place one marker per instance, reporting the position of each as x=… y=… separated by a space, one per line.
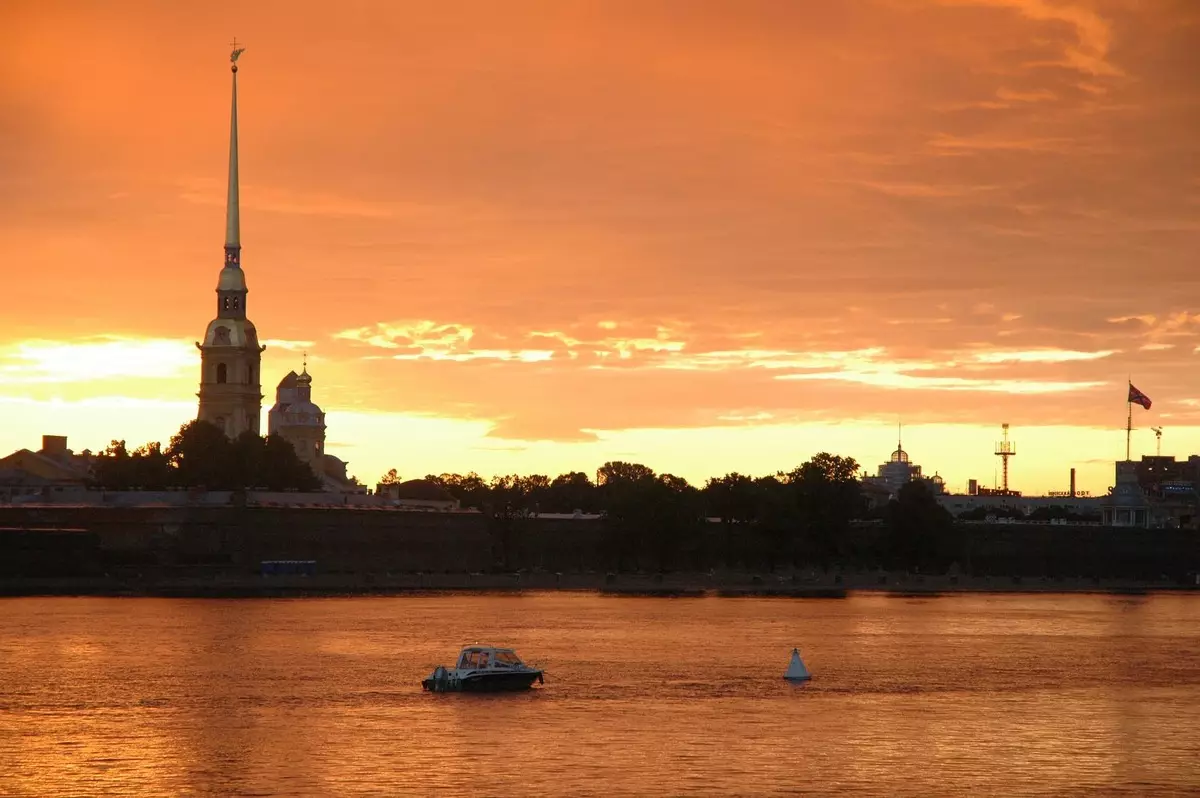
x=233 y=57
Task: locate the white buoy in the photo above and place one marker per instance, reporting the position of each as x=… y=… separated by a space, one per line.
x=796 y=671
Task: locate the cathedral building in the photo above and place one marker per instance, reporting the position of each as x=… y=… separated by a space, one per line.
x=296 y=419
x=230 y=356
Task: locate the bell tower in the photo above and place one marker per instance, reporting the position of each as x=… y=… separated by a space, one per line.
x=230 y=356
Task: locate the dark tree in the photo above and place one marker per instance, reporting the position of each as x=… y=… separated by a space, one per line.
x=151 y=469
x=672 y=516
x=920 y=532
x=248 y=463
x=281 y=468
x=512 y=495
x=146 y=468
x=616 y=471
x=736 y=500
x=570 y=492
x=470 y=489
x=777 y=521
x=201 y=456
x=535 y=491
x=623 y=490
x=828 y=498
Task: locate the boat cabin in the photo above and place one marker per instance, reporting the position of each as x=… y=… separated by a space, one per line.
x=485 y=657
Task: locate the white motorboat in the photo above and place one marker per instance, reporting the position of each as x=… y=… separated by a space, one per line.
x=483 y=669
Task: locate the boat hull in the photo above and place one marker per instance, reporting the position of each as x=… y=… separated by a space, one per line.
x=483 y=682
x=500 y=682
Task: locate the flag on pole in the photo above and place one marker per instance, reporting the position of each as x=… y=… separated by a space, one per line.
x=1137 y=397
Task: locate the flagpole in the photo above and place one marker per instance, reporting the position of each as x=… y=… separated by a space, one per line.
x=1129 y=422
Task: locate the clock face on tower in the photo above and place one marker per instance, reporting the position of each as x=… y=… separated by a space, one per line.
x=221 y=336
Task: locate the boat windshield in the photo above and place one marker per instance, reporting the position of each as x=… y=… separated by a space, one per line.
x=478 y=658
x=508 y=659
x=474 y=658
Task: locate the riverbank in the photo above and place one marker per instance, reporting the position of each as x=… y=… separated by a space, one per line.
x=670 y=585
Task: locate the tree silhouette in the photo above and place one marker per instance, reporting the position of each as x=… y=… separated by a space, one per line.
x=470 y=489
x=570 y=492
x=616 y=471
x=282 y=469
x=735 y=499
x=828 y=497
x=200 y=456
x=920 y=532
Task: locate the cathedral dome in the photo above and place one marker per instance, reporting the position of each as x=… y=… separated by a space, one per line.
x=231 y=332
x=231 y=280
x=899 y=456
x=304 y=413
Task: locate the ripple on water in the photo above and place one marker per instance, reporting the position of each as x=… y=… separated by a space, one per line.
x=1058 y=695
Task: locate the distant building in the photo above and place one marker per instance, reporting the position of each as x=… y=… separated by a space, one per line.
x=51 y=469
x=1127 y=504
x=298 y=420
x=983 y=491
x=333 y=474
x=898 y=471
x=1155 y=492
x=958 y=503
x=295 y=418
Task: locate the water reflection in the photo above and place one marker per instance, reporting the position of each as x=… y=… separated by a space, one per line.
x=932 y=696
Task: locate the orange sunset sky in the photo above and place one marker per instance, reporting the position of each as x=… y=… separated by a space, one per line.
x=531 y=237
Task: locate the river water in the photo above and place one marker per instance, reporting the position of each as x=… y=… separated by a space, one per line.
x=954 y=695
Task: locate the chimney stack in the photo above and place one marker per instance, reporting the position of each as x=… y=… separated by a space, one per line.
x=1072 y=483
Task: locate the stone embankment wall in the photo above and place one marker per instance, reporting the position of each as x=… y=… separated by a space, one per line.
x=56 y=540
x=239 y=539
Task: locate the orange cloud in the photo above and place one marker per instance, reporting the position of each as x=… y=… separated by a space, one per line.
x=600 y=231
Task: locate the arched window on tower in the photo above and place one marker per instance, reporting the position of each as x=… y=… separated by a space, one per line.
x=222 y=372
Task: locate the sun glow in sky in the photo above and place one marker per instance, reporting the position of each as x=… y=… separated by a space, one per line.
x=531 y=237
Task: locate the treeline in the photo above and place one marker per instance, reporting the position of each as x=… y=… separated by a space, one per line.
x=659 y=521
x=201 y=456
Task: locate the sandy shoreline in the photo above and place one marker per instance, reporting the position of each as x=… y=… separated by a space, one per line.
x=670 y=585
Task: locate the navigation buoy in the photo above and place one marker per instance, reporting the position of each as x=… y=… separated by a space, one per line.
x=796 y=671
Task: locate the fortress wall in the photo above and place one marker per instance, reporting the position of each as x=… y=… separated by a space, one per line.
x=240 y=538
x=237 y=539
x=1055 y=550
